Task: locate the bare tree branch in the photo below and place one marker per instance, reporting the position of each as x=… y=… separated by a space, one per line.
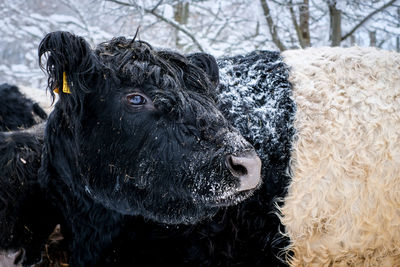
x=271 y=26
x=157 y=5
x=166 y=20
x=398 y=37
x=177 y=26
x=304 y=14
x=335 y=27
x=367 y=18
x=302 y=29
x=120 y=3
x=85 y=24
x=295 y=24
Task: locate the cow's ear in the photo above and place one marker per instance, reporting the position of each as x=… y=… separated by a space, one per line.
x=70 y=61
x=208 y=63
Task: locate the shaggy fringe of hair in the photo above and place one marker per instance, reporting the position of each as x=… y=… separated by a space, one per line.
x=343 y=203
x=124 y=56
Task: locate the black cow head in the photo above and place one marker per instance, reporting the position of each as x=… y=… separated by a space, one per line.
x=137 y=130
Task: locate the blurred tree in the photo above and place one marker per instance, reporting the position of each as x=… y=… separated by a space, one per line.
x=181 y=16
x=215 y=26
x=398 y=36
x=303 y=26
x=353 y=15
x=335 y=24
x=373 y=9
x=273 y=29
x=285 y=23
x=24 y=23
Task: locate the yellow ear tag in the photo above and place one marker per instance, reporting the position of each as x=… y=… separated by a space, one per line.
x=65 y=86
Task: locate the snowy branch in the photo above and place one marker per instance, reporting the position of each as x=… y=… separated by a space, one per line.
x=367 y=18
x=153 y=12
x=272 y=26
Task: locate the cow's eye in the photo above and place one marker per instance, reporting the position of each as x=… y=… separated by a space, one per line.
x=136 y=99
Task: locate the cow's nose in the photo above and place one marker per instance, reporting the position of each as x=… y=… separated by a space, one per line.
x=246 y=167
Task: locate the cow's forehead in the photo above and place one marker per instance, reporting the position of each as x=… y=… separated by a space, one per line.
x=119 y=53
x=137 y=64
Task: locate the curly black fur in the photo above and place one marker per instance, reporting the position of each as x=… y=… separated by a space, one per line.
x=26 y=217
x=247 y=234
x=105 y=159
x=147 y=185
x=17 y=111
x=19 y=163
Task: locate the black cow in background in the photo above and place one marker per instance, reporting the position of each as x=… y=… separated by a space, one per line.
x=16 y=110
x=20 y=151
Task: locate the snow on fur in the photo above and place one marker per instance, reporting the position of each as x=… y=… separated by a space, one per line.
x=256 y=95
x=343 y=202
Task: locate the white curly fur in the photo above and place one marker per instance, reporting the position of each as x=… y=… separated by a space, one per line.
x=343 y=203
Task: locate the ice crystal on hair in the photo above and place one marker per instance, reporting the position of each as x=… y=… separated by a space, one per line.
x=256 y=97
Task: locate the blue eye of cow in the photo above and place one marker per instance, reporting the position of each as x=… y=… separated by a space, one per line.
x=136 y=99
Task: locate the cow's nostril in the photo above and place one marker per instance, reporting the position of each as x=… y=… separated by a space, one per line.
x=235 y=167
x=247 y=168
